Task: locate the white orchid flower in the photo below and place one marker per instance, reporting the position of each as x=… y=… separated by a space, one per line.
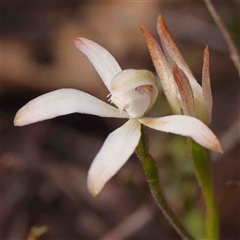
x=180 y=86
x=133 y=92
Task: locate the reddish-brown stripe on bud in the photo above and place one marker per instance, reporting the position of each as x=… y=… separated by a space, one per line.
x=185 y=90
x=206 y=84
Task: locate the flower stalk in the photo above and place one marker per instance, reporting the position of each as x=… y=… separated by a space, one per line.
x=203 y=170
x=151 y=172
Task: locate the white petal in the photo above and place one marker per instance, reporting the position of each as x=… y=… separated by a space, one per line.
x=185 y=126
x=116 y=150
x=62 y=102
x=104 y=63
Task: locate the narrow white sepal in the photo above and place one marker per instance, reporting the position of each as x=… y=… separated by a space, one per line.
x=116 y=150
x=104 y=63
x=185 y=126
x=62 y=102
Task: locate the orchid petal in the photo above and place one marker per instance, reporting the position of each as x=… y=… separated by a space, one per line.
x=104 y=63
x=185 y=90
x=62 y=102
x=206 y=84
x=163 y=70
x=116 y=150
x=135 y=91
x=185 y=126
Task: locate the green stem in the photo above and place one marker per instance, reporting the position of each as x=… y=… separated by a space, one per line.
x=203 y=170
x=151 y=172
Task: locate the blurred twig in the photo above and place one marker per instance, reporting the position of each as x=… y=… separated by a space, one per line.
x=232 y=48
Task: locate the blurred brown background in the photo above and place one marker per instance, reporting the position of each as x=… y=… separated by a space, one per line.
x=44 y=165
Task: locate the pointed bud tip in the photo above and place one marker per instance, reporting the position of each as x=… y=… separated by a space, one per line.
x=161 y=21
x=160 y=17
x=206 y=52
x=147 y=34
x=144 y=30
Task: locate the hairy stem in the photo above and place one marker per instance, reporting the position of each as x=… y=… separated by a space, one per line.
x=152 y=176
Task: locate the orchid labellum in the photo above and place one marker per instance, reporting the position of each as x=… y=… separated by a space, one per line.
x=133 y=92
